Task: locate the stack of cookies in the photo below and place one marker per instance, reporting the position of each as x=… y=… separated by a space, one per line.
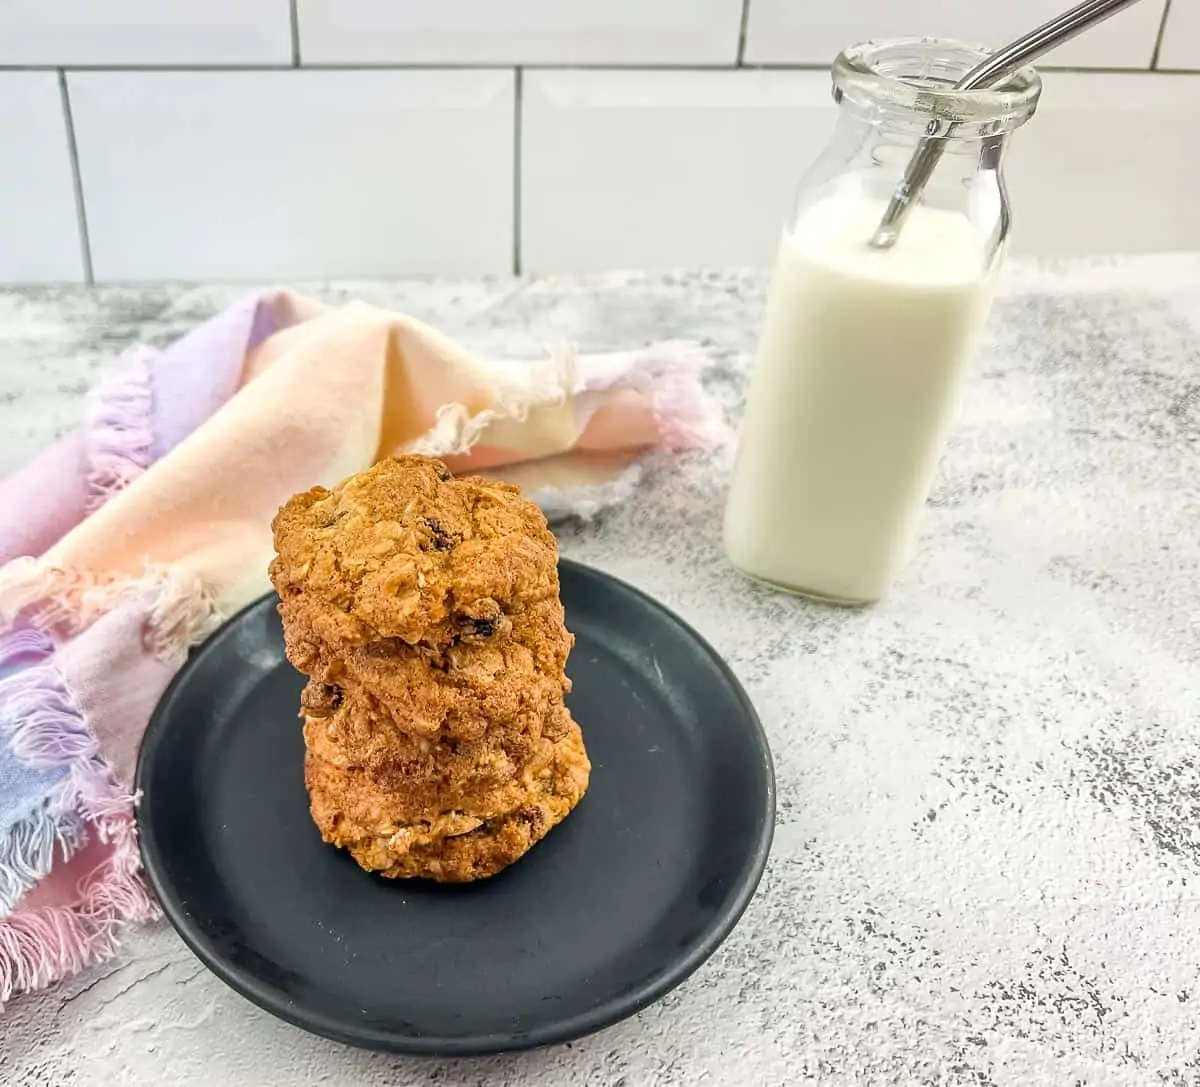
x=425 y=611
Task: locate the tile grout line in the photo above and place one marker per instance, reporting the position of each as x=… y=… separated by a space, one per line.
x=295 y=28
x=518 y=98
x=85 y=243
x=1162 y=33
x=741 y=49
x=1095 y=69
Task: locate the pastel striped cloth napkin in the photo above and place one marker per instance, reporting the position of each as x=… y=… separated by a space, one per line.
x=128 y=541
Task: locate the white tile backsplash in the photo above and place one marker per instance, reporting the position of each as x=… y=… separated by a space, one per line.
x=813 y=31
x=202 y=153
x=1181 y=36
x=39 y=232
x=1108 y=164
x=659 y=169
x=654 y=169
x=300 y=173
x=152 y=32
x=520 y=31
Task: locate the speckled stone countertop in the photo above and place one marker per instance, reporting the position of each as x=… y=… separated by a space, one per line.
x=987 y=860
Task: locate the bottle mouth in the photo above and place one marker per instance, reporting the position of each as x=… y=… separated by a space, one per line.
x=909 y=82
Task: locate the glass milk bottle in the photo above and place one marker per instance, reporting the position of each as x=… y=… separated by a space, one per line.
x=863 y=349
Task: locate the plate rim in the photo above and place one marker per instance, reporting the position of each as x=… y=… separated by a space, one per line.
x=608 y=1013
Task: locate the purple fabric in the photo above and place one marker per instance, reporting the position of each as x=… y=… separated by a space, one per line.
x=184 y=394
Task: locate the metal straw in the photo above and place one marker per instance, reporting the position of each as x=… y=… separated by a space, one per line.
x=999 y=65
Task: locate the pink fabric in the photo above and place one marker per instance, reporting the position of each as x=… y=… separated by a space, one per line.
x=47 y=513
x=115 y=682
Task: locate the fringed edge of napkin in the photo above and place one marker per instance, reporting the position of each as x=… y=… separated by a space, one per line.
x=41 y=944
x=120 y=431
x=40 y=605
x=61 y=602
x=668 y=375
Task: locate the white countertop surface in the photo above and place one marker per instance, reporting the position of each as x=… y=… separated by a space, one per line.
x=986 y=866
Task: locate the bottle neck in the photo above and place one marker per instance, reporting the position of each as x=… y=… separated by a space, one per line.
x=867 y=160
x=881 y=152
x=910 y=84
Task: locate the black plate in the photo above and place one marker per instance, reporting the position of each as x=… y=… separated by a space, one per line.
x=613 y=909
